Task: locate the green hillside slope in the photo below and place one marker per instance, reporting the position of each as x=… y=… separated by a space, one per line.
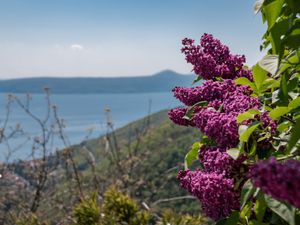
x=142 y=159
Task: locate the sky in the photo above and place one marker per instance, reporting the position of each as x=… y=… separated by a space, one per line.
x=111 y=38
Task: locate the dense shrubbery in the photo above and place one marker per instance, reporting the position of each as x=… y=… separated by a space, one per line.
x=118 y=208
x=249 y=170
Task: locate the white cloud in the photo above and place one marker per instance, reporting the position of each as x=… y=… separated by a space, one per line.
x=76 y=47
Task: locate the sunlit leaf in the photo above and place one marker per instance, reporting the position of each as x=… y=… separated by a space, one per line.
x=272 y=10
x=246 y=211
x=267 y=135
x=284 y=126
x=247 y=115
x=259 y=76
x=245 y=135
x=242 y=129
x=269 y=63
x=245 y=81
x=233 y=152
x=279 y=111
x=192 y=155
x=294 y=103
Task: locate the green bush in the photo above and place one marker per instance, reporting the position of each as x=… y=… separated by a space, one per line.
x=117 y=208
x=87 y=211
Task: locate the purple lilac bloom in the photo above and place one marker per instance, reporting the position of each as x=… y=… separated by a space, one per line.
x=215 y=191
x=212 y=59
x=215 y=159
x=280 y=180
x=221 y=127
x=177 y=114
x=240 y=103
x=214 y=185
x=268 y=122
x=209 y=91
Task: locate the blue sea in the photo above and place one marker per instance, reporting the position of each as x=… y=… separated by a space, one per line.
x=81 y=115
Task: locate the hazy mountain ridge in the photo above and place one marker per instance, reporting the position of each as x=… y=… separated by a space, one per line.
x=160 y=82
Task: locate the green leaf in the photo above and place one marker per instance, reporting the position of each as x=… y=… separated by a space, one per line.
x=253 y=149
x=247 y=191
x=279 y=111
x=269 y=63
x=291 y=59
x=284 y=126
x=276 y=32
x=271 y=10
x=233 y=218
x=275 y=97
x=292 y=38
x=271 y=83
x=295 y=135
x=233 y=152
x=267 y=135
x=197 y=79
x=242 y=129
x=292 y=84
x=285 y=211
x=294 y=5
x=192 y=155
x=247 y=115
x=201 y=103
x=295 y=103
x=283 y=91
x=190 y=112
x=245 y=135
x=246 y=211
x=255 y=222
x=260 y=207
x=245 y=81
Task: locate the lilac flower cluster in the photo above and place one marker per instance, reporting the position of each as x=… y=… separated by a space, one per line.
x=212 y=59
x=209 y=91
x=280 y=180
x=214 y=190
x=215 y=159
x=214 y=185
x=177 y=114
x=221 y=127
x=238 y=103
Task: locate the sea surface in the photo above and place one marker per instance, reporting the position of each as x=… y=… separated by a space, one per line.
x=85 y=116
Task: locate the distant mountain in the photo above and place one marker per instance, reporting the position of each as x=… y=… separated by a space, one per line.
x=160 y=82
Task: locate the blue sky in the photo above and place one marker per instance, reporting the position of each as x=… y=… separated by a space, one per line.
x=117 y=37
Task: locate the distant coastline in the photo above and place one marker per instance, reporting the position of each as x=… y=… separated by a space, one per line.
x=161 y=82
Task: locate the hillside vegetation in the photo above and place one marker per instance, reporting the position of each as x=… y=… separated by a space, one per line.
x=150 y=152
